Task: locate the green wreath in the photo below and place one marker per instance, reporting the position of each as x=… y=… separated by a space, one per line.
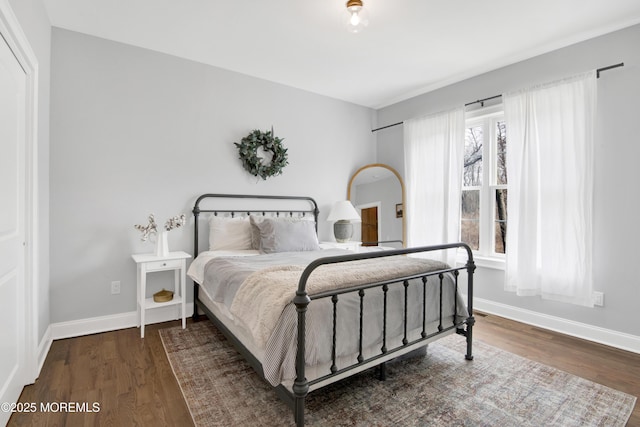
x=248 y=151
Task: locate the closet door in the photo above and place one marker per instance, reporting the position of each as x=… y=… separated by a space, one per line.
x=12 y=227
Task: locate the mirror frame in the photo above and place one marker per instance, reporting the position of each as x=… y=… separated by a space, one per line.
x=395 y=172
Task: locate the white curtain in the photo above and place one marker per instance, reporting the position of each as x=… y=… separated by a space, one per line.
x=433 y=157
x=550 y=190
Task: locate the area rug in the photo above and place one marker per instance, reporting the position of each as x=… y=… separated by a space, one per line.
x=497 y=388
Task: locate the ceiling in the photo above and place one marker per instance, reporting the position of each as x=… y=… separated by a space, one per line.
x=409 y=48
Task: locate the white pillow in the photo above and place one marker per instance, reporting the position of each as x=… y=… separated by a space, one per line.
x=229 y=233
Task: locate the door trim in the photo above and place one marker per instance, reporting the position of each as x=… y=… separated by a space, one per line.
x=12 y=33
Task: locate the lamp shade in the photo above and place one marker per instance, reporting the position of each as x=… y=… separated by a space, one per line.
x=343 y=211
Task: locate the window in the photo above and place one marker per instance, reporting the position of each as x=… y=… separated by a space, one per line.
x=483 y=223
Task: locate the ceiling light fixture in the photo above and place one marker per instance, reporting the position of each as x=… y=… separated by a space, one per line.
x=357 y=18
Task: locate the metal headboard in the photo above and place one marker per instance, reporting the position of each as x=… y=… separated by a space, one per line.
x=197 y=210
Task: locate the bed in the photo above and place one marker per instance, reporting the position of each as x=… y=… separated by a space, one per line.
x=304 y=316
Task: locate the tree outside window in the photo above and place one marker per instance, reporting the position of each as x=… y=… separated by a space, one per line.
x=484 y=193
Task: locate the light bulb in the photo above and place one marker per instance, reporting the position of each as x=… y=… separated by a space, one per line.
x=357 y=17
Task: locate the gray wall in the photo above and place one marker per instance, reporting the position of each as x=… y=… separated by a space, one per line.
x=134 y=131
x=35 y=24
x=617 y=151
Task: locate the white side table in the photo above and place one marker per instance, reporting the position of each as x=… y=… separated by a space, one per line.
x=148 y=263
x=350 y=245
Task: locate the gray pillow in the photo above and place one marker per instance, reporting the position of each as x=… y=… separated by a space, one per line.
x=286 y=235
x=255 y=231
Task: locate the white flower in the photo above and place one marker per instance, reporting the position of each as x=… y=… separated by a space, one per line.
x=148 y=229
x=175 y=222
x=152 y=228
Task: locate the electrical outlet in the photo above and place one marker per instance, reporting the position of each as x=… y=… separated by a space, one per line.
x=115 y=287
x=598 y=299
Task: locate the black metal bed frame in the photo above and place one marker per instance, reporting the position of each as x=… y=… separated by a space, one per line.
x=295 y=398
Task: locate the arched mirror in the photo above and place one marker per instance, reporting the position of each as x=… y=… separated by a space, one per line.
x=377 y=192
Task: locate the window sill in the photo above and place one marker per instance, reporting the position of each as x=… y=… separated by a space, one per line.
x=494 y=263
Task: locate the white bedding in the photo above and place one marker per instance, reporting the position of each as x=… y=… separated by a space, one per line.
x=196 y=269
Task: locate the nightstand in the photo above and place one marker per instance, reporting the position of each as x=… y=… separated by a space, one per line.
x=149 y=263
x=350 y=245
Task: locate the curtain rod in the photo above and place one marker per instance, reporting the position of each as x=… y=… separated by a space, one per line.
x=481 y=101
x=599 y=70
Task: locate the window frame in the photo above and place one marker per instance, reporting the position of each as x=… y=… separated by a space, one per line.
x=488 y=117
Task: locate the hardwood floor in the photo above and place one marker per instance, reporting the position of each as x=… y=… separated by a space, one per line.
x=133 y=384
x=130 y=378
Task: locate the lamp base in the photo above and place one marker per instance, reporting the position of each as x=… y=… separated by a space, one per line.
x=342 y=230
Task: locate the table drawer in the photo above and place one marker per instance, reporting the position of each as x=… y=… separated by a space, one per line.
x=170 y=264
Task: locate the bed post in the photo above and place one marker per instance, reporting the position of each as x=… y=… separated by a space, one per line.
x=196 y=213
x=471 y=267
x=300 y=385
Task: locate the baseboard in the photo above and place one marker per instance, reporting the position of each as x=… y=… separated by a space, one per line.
x=94 y=325
x=43 y=350
x=604 y=336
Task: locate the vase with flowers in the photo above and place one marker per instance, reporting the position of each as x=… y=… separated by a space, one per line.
x=151 y=228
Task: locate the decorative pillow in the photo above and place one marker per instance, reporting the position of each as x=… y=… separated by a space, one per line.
x=286 y=234
x=229 y=233
x=255 y=231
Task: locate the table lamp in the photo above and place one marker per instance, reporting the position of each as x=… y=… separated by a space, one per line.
x=343 y=213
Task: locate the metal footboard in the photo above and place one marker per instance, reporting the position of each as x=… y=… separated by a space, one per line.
x=302 y=300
